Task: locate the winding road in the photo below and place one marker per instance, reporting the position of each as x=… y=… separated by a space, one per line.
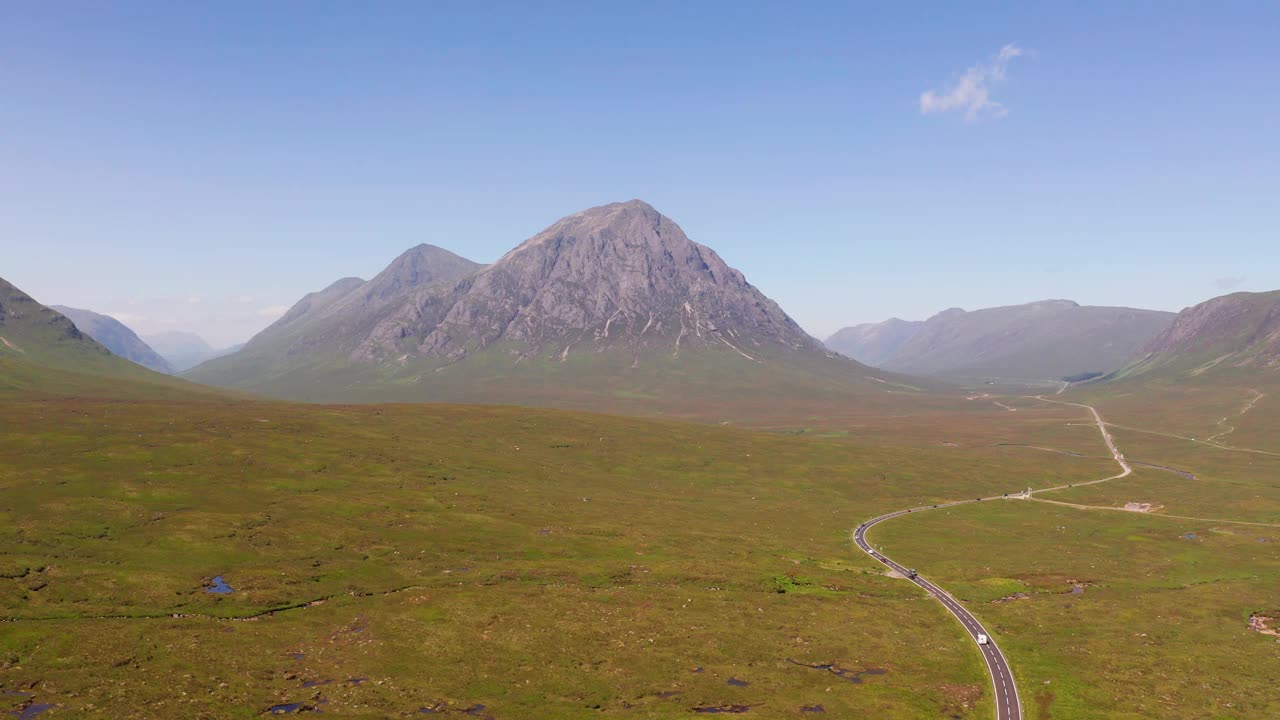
x=1008 y=704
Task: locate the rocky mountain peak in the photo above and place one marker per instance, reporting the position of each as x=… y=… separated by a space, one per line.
x=616 y=276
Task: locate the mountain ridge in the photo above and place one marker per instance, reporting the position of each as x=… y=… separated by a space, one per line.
x=1240 y=330
x=1037 y=341
x=116 y=337
x=615 y=300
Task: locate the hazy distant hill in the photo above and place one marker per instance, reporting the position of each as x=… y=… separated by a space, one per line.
x=185 y=350
x=1043 y=340
x=116 y=337
x=614 y=301
x=874 y=343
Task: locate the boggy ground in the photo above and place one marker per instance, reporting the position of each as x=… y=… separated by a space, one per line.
x=539 y=563
x=513 y=563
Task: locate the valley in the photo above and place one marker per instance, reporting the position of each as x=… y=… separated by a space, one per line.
x=360 y=541
x=639 y=361
x=174 y=549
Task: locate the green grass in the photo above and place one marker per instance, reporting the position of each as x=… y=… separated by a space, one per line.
x=538 y=562
x=1159 y=631
x=561 y=564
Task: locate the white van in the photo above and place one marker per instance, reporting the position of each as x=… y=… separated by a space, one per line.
x=982 y=639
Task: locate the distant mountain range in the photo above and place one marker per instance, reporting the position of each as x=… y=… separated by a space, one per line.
x=1046 y=340
x=184 y=350
x=615 y=301
x=116 y=337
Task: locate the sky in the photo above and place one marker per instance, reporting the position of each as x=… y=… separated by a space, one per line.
x=201 y=166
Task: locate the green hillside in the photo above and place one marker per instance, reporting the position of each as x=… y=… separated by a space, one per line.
x=43 y=352
x=36 y=334
x=1213 y=375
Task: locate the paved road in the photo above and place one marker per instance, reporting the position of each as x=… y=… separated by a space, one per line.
x=1008 y=704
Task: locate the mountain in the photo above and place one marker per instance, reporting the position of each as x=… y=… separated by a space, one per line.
x=1212 y=375
x=42 y=351
x=614 y=302
x=1044 y=340
x=32 y=332
x=620 y=276
x=1237 y=333
x=116 y=337
x=184 y=350
x=874 y=343
x=324 y=327
x=313 y=303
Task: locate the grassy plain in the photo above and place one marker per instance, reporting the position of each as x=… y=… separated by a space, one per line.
x=1158 y=628
x=538 y=562
x=545 y=563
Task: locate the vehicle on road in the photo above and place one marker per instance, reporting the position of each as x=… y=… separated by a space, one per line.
x=911 y=573
x=982 y=639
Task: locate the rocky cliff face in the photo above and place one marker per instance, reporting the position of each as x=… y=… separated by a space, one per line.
x=620 y=276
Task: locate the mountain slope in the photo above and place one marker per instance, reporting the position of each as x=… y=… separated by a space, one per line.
x=116 y=337
x=1237 y=333
x=610 y=304
x=43 y=353
x=617 y=276
x=1213 y=376
x=1043 y=340
x=313 y=303
x=323 y=328
x=874 y=343
x=34 y=333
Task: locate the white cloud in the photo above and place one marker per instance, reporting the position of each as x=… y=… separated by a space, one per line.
x=273 y=311
x=243 y=299
x=1226 y=283
x=972 y=92
x=194 y=300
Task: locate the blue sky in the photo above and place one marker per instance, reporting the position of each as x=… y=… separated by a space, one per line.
x=200 y=168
